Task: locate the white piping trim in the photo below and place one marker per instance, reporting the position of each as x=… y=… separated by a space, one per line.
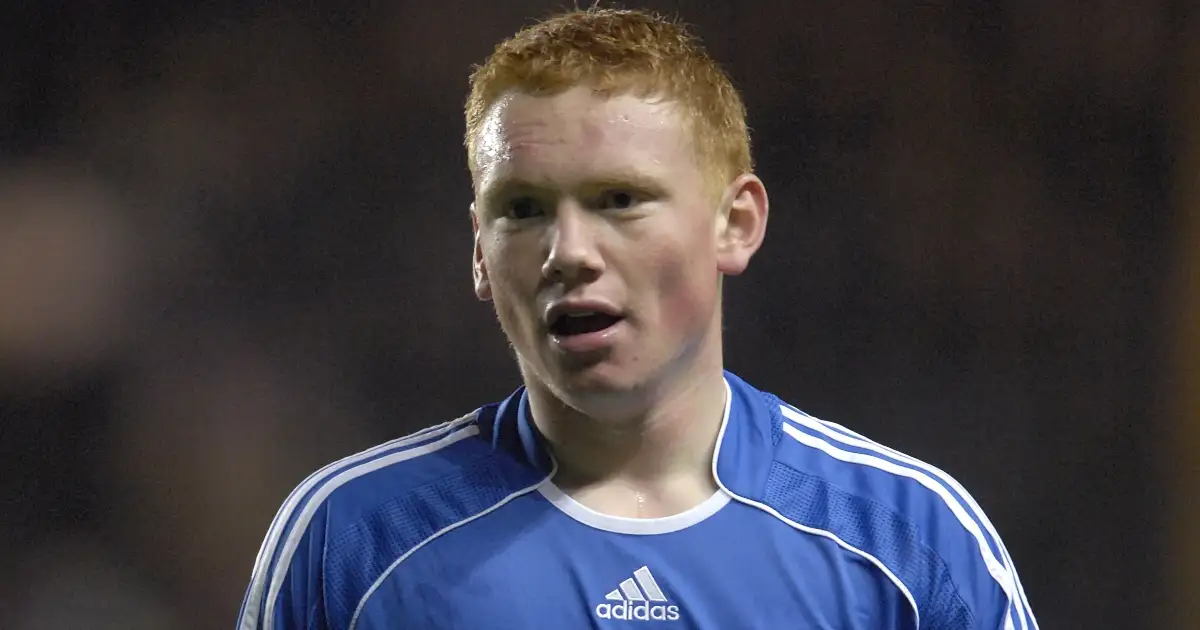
x=809 y=530
x=997 y=572
x=251 y=607
x=310 y=508
x=841 y=543
x=383 y=576
x=1012 y=588
x=979 y=513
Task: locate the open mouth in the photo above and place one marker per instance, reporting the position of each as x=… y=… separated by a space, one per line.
x=573 y=324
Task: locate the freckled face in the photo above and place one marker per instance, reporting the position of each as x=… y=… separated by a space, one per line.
x=595 y=207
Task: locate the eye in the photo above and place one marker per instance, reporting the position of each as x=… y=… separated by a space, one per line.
x=618 y=200
x=523 y=208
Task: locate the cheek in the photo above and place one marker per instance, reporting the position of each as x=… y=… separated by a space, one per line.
x=686 y=285
x=504 y=288
x=514 y=277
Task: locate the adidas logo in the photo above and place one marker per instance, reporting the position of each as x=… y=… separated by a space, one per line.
x=638 y=599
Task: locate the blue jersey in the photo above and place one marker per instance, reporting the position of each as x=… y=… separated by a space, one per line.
x=460 y=527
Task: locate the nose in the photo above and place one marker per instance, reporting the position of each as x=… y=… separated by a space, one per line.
x=574 y=256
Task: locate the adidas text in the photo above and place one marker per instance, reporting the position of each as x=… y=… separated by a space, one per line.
x=640 y=611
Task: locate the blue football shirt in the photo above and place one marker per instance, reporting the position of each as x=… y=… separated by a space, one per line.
x=460 y=527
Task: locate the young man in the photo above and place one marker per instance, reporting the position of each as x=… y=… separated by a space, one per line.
x=631 y=482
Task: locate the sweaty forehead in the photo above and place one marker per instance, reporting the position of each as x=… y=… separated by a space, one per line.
x=574 y=128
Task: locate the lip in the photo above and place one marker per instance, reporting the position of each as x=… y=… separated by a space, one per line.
x=584 y=343
x=587 y=343
x=554 y=310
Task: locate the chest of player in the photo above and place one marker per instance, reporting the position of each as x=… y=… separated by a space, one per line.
x=548 y=571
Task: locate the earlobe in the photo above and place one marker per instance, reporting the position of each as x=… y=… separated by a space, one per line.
x=483 y=287
x=744 y=226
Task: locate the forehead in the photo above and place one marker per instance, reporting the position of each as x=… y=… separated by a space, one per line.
x=578 y=133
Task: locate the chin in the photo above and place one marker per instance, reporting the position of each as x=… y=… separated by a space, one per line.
x=597 y=378
x=600 y=389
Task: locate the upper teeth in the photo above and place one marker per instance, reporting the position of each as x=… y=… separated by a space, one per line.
x=583 y=314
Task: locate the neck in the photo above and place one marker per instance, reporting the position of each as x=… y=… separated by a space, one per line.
x=662 y=453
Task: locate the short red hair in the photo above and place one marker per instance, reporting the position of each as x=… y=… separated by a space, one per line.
x=620 y=51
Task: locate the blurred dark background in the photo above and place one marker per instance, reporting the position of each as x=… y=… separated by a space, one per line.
x=234 y=246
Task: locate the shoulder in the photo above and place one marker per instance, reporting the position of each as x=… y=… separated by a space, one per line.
x=358 y=483
x=361 y=483
x=347 y=522
x=913 y=521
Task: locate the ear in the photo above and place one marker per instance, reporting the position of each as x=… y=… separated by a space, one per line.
x=741 y=224
x=483 y=288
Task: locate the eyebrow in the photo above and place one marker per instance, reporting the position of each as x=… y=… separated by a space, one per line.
x=625 y=179
x=606 y=180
